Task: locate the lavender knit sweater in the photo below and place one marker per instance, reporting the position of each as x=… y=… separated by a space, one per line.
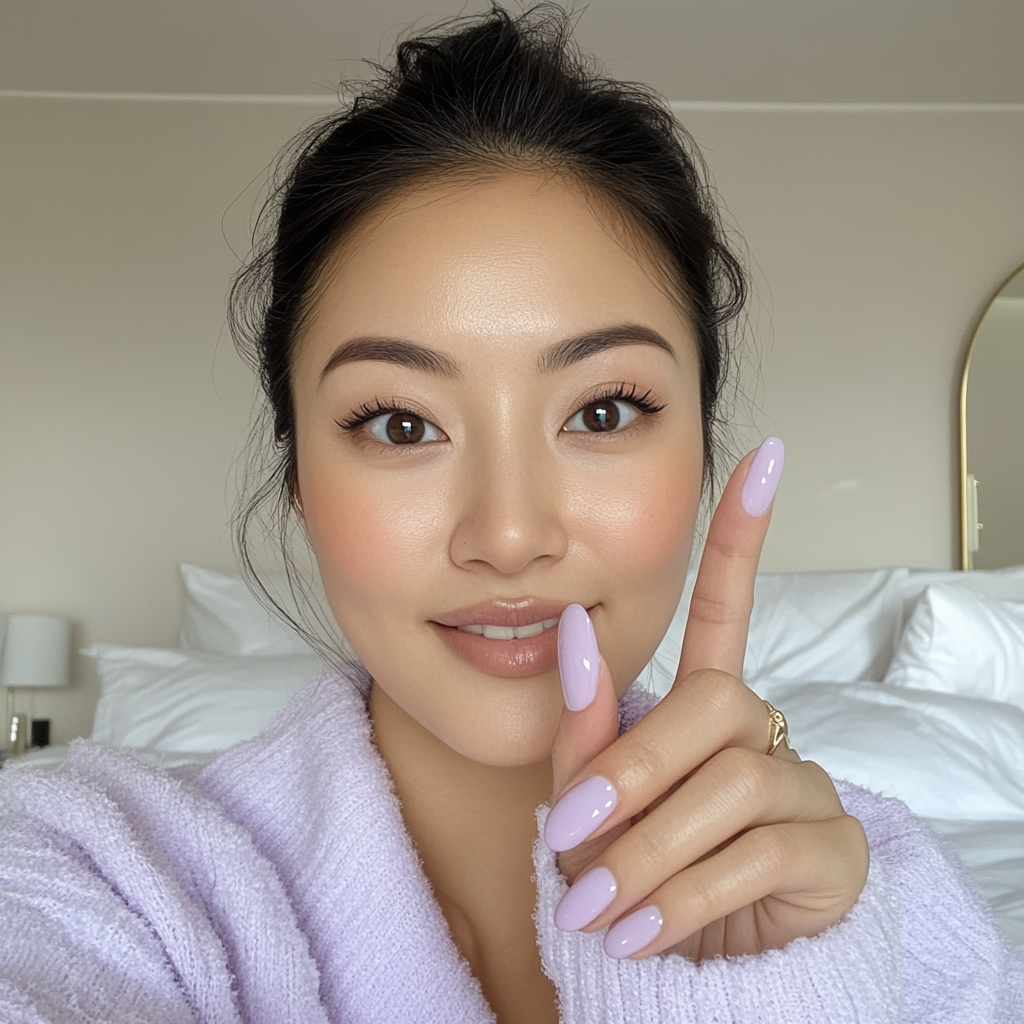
x=278 y=884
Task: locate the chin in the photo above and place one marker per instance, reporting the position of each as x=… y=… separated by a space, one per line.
x=510 y=729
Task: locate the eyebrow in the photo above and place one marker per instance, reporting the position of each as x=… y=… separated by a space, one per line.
x=556 y=357
x=583 y=346
x=394 y=350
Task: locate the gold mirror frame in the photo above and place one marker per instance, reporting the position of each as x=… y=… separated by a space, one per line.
x=968 y=489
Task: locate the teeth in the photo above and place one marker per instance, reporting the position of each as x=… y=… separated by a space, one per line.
x=535 y=630
x=510 y=632
x=500 y=632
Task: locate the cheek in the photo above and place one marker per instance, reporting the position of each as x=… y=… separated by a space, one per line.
x=639 y=523
x=638 y=531
x=376 y=534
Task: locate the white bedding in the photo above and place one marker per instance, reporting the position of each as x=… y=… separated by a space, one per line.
x=944 y=731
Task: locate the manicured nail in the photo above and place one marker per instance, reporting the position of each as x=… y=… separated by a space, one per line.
x=578 y=662
x=634 y=932
x=763 y=477
x=579 y=813
x=589 y=895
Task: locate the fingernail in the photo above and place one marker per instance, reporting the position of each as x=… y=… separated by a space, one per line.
x=579 y=813
x=589 y=895
x=763 y=477
x=634 y=932
x=578 y=662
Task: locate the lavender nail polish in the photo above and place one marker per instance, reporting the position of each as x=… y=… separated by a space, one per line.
x=589 y=895
x=578 y=662
x=633 y=933
x=763 y=477
x=579 y=813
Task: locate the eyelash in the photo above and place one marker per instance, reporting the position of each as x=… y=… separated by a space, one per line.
x=625 y=393
x=365 y=413
x=619 y=393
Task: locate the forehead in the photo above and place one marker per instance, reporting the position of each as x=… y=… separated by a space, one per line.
x=506 y=257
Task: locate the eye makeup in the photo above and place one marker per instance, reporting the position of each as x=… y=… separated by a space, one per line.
x=629 y=394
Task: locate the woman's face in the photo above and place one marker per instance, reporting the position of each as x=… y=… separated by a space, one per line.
x=497 y=415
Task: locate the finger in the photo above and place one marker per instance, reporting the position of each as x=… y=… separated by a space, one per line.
x=807 y=875
x=590 y=713
x=723 y=594
x=715 y=710
x=734 y=791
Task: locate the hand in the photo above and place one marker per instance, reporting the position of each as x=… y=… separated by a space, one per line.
x=703 y=845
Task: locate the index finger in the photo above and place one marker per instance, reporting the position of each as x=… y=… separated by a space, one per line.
x=723 y=595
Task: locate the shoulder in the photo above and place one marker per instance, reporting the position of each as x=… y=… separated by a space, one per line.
x=130 y=886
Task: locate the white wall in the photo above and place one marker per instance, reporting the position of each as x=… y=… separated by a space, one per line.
x=877 y=237
x=122 y=402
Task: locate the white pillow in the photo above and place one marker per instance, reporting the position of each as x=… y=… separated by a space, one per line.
x=841 y=626
x=222 y=616
x=958 y=641
x=190 y=700
x=1001 y=584
x=945 y=756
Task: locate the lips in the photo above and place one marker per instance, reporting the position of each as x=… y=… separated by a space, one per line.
x=519 y=611
x=506 y=638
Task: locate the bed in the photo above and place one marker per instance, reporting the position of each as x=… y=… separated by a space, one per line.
x=910 y=683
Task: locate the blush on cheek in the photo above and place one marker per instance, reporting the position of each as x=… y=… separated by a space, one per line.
x=639 y=536
x=641 y=528
x=372 y=546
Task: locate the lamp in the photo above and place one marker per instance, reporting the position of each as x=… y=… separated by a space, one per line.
x=36 y=653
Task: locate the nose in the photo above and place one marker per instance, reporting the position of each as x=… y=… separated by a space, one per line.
x=510 y=516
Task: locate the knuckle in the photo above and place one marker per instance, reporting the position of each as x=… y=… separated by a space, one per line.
x=733 y=696
x=702 y=900
x=854 y=838
x=847 y=855
x=647 y=850
x=817 y=774
x=711 y=610
x=771 y=850
x=728 y=545
x=748 y=773
x=646 y=761
x=711 y=688
x=820 y=783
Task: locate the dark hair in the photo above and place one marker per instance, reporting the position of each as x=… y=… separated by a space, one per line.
x=490 y=91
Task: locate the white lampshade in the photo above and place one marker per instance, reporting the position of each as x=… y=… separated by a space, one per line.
x=37 y=651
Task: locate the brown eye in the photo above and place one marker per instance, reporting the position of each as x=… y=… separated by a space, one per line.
x=393 y=427
x=600 y=416
x=405 y=428
x=604 y=416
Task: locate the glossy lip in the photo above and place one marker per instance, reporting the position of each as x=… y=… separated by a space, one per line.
x=509 y=659
x=519 y=611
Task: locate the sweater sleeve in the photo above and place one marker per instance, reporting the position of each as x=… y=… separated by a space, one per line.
x=72 y=950
x=920 y=946
x=128 y=897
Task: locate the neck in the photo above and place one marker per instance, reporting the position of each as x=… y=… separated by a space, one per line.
x=474 y=826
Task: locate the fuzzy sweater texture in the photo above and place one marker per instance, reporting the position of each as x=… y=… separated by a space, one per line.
x=278 y=884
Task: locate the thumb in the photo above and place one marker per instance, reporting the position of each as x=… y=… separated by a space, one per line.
x=590 y=715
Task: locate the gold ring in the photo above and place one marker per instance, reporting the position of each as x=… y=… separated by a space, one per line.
x=778 y=730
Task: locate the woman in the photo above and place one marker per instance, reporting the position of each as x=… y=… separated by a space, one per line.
x=491 y=328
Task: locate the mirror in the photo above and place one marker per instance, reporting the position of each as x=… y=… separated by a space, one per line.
x=992 y=434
